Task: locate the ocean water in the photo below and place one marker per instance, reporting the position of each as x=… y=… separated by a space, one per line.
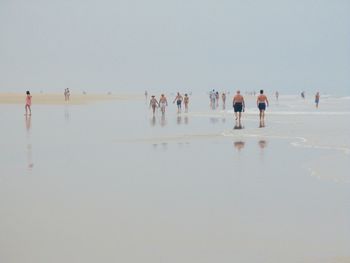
x=109 y=182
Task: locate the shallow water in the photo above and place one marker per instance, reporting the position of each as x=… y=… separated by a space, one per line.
x=108 y=182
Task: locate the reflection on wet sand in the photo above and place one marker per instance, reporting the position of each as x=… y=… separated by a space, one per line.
x=239 y=145
x=213 y=120
x=28 y=124
x=163 y=145
x=179 y=119
x=30 y=164
x=66 y=113
x=163 y=120
x=262 y=144
x=153 y=121
x=186 y=119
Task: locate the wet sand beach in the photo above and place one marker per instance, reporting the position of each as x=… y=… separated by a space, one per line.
x=58 y=99
x=88 y=182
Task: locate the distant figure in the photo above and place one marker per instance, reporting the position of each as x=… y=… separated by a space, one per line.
x=223 y=97
x=277 y=95
x=28 y=103
x=317 y=98
x=68 y=94
x=186 y=101
x=262 y=102
x=65 y=94
x=212 y=98
x=146 y=94
x=238 y=105
x=153 y=103
x=84 y=92
x=303 y=94
x=217 y=96
x=163 y=103
x=178 y=100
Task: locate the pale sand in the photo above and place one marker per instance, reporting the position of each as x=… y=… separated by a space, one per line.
x=58 y=99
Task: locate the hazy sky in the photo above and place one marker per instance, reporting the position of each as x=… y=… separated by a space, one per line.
x=122 y=45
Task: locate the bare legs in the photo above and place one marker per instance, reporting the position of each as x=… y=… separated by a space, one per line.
x=27 y=107
x=238 y=123
x=262 y=119
x=178 y=108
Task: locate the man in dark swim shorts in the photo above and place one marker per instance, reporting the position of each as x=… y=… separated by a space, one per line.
x=178 y=100
x=262 y=106
x=238 y=106
x=262 y=102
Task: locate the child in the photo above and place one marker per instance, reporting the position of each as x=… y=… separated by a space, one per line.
x=28 y=103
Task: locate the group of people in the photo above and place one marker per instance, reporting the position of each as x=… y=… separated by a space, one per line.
x=214 y=98
x=238 y=103
x=163 y=102
x=239 y=107
x=317 y=97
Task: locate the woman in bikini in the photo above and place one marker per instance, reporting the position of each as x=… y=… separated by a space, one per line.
x=28 y=103
x=186 y=101
x=153 y=103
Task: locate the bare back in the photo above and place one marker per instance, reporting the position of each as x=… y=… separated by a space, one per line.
x=238 y=98
x=262 y=98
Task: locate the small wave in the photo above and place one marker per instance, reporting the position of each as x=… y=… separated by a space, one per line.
x=345 y=98
x=325 y=113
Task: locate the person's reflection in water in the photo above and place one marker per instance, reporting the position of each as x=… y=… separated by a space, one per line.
x=28 y=124
x=163 y=120
x=153 y=121
x=164 y=146
x=213 y=120
x=30 y=163
x=186 y=119
x=239 y=145
x=179 y=120
x=66 y=113
x=262 y=144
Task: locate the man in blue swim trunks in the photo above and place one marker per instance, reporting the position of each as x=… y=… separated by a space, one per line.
x=262 y=102
x=238 y=106
x=178 y=100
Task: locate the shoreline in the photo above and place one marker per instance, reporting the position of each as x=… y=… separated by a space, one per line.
x=58 y=99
